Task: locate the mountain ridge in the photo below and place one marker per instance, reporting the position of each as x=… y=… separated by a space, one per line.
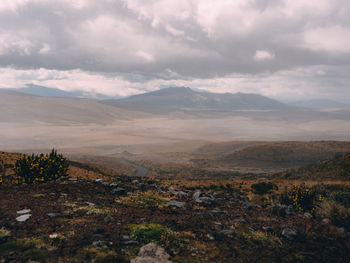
x=186 y=98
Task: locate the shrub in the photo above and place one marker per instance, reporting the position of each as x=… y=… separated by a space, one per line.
x=338 y=214
x=302 y=198
x=150 y=233
x=263 y=187
x=40 y=168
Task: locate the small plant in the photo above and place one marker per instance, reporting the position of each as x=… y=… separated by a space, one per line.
x=263 y=187
x=146 y=233
x=302 y=198
x=337 y=213
x=40 y=168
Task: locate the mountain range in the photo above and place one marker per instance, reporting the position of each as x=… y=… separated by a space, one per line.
x=186 y=98
x=56 y=106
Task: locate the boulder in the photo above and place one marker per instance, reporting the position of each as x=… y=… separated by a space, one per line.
x=152 y=253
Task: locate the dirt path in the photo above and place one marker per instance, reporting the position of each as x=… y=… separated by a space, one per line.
x=140 y=170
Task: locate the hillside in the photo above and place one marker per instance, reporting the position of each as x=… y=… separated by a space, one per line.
x=23 y=108
x=272 y=155
x=337 y=168
x=186 y=98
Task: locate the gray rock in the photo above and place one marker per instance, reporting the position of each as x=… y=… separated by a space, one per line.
x=182 y=194
x=73 y=179
x=99 y=180
x=196 y=195
x=228 y=232
x=216 y=212
x=24 y=211
x=247 y=205
x=152 y=253
x=23 y=218
x=118 y=191
x=52 y=215
x=308 y=215
x=289 y=233
x=176 y=204
x=268 y=229
x=113 y=185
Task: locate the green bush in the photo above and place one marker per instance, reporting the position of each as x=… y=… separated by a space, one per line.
x=40 y=168
x=146 y=233
x=263 y=187
x=302 y=198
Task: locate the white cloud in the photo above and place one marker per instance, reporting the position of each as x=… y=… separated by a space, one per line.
x=45 y=49
x=146 y=56
x=333 y=39
x=261 y=55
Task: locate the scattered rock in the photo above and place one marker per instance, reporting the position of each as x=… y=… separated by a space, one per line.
x=326 y=221
x=248 y=205
x=24 y=211
x=268 y=229
x=113 y=185
x=196 y=196
x=308 y=215
x=289 y=233
x=176 y=204
x=53 y=236
x=23 y=218
x=99 y=243
x=118 y=191
x=228 y=232
x=99 y=180
x=181 y=194
x=152 y=253
x=52 y=215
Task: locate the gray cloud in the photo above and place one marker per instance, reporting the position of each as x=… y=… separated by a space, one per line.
x=188 y=41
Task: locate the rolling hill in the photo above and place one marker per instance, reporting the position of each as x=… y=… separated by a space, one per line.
x=16 y=107
x=337 y=168
x=289 y=154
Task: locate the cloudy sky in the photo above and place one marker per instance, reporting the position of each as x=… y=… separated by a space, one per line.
x=285 y=49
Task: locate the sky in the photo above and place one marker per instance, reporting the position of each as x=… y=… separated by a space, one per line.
x=284 y=49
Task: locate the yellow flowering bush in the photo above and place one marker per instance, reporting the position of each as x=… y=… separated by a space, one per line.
x=40 y=168
x=302 y=198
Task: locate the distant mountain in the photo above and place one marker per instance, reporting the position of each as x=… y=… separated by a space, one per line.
x=319 y=104
x=53 y=92
x=18 y=107
x=186 y=98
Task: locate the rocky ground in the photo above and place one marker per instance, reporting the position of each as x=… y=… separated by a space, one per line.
x=77 y=220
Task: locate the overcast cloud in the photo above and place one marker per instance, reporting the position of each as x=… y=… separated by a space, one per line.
x=279 y=48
